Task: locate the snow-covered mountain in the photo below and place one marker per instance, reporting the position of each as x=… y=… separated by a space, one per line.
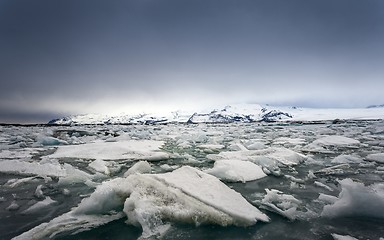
x=228 y=114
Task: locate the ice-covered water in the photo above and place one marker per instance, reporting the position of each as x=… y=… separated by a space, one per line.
x=205 y=181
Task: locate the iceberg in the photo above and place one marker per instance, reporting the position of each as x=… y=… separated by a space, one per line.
x=152 y=201
x=356 y=200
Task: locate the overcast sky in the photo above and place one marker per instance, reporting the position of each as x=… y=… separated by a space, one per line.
x=60 y=57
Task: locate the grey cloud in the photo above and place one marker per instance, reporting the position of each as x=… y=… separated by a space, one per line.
x=76 y=54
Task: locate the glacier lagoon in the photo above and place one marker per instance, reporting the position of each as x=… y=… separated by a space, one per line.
x=193 y=181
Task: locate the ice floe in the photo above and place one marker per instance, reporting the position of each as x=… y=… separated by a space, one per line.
x=357 y=200
x=124 y=150
x=342 y=237
x=236 y=171
x=139 y=167
x=151 y=200
x=265 y=157
x=347 y=159
x=328 y=143
x=39 y=206
x=376 y=157
x=284 y=204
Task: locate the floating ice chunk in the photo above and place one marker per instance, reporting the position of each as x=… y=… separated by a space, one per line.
x=67 y=222
x=66 y=192
x=211 y=146
x=327 y=198
x=347 y=159
x=311 y=175
x=288 y=141
x=18 y=153
x=39 y=206
x=11 y=183
x=139 y=167
x=294 y=179
x=236 y=146
x=36 y=168
x=211 y=191
x=336 y=141
x=339 y=169
x=185 y=195
x=355 y=199
x=342 y=237
x=100 y=166
x=74 y=175
x=284 y=204
x=256 y=146
x=262 y=157
x=39 y=192
x=132 y=150
x=326 y=144
x=49 y=141
x=376 y=157
x=320 y=184
x=236 y=171
x=13 y=206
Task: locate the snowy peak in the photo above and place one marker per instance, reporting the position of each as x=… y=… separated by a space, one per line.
x=244 y=113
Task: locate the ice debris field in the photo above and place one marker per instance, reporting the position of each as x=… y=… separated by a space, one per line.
x=188 y=181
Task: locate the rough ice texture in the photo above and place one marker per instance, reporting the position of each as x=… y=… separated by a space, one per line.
x=376 y=157
x=124 y=150
x=236 y=171
x=211 y=191
x=355 y=199
x=283 y=204
x=185 y=195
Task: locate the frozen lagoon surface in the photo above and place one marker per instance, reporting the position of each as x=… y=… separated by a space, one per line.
x=199 y=181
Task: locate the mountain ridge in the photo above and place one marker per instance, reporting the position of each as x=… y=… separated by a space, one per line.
x=227 y=114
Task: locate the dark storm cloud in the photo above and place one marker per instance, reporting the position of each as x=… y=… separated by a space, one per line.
x=82 y=55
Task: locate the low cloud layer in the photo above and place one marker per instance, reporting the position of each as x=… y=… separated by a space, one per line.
x=73 y=56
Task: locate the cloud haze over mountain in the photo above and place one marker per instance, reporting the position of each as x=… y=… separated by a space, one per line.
x=69 y=56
